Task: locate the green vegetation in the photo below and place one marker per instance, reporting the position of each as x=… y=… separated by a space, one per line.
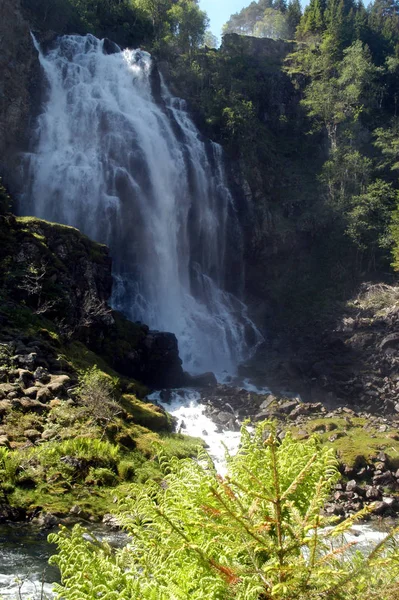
x=91 y=444
x=256 y=534
x=355 y=440
x=161 y=25
x=266 y=18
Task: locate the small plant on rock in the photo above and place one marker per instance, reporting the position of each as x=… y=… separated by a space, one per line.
x=97 y=392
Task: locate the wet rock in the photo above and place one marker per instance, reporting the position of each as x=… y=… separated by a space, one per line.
x=11 y=514
x=77 y=511
x=203 y=380
x=112 y=522
x=224 y=417
x=109 y=47
x=46 y=520
x=380 y=508
x=166 y=396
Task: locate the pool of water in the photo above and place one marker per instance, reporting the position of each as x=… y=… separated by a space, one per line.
x=24 y=569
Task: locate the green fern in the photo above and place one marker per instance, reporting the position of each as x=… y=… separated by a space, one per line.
x=257 y=534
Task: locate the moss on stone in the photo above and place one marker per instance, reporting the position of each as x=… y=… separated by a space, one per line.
x=356 y=441
x=145 y=413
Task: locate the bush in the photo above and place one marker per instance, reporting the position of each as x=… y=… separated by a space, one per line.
x=97 y=392
x=258 y=533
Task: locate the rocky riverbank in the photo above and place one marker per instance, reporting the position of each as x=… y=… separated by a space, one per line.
x=367 y=445
x=351 y=359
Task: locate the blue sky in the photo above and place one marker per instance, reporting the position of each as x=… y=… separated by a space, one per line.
x=219 y=11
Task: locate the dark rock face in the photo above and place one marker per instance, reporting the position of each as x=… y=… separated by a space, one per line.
x=154 y=360
x=11 y=514
x=57 y=272
x=353 y=362
x=260 y=48
x=20 y=70
x=61 y=275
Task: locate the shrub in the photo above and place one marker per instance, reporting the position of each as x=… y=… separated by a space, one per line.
x=97 y=392
x=257 y=534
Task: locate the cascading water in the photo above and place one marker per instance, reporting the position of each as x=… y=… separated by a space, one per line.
x=135 y=174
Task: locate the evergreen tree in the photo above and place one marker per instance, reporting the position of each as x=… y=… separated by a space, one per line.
x=294 y=14
x=312 y=21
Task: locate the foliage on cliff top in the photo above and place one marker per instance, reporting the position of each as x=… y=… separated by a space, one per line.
x=256 y=534
x=165 y=25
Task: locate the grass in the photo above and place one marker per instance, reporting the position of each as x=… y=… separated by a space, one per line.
x=380 y=298
x=357 y=441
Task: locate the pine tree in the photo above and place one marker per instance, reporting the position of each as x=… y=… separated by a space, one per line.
x=294 y=14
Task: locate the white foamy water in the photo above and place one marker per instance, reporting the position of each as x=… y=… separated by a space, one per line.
x=186 y=407
x=116 y=155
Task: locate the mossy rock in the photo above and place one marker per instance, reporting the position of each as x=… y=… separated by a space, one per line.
x=356 y=442
x=146 y=414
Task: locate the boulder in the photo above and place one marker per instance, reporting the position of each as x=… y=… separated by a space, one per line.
x=44 y=394
x=41 y=374
x=28 y=405
x=385 y=479
x=111 y=522
x=32 y=434
x=202 y=380
x=25 y=377
x=372 y=492
x=4 y=441
x=31 y=392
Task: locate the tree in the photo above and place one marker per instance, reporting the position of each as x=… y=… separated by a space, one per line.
x=294 y=14
x=257 y=534
x=273 y=25
x=187 y=25
x=312 y=21
x=5 y=200
x=340 y=94
x=210 y=40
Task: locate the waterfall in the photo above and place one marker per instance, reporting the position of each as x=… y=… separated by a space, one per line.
x=132 y=171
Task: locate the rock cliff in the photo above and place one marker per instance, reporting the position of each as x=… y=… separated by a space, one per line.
x=19 y=68
x=54 y=279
